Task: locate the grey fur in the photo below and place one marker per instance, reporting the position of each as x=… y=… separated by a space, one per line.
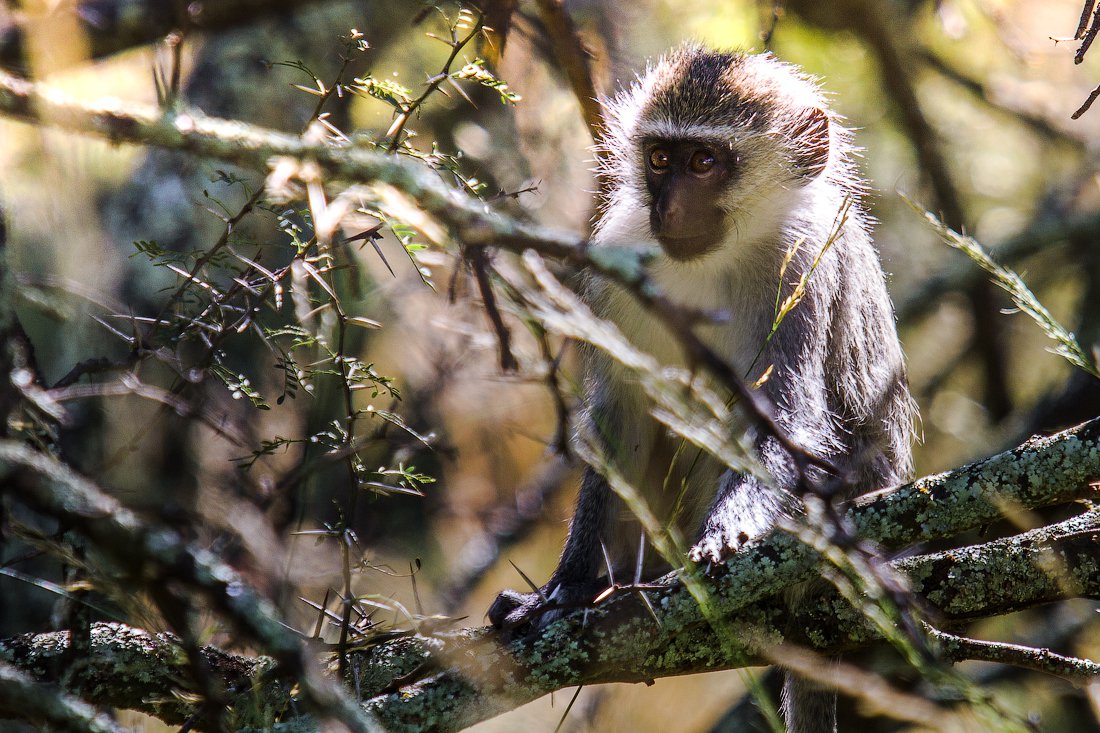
x=838 y=382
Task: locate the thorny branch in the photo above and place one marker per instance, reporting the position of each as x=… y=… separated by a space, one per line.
x=390 y=182
x=133 y=546
x=457 y=44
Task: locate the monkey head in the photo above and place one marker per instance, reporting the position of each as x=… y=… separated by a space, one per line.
x=711 y=144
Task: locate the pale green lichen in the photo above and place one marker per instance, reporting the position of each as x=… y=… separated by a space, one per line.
x=627 y=264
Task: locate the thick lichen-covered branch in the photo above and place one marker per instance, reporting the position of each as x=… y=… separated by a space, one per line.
x=1041 y=472
x=448 y=682
x=131 y=668
x=621 y=642
x=22 y=696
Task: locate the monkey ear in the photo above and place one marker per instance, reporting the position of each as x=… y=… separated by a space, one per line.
x=810 y=135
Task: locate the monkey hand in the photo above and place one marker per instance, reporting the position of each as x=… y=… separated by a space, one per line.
x=512 y=610
x=715 y=547
x=744 y=509
x=518 y=614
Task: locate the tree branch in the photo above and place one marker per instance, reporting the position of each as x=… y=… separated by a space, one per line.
x=19 y=693
x=574 y=60
x=879 y=29
x=146 y=550
x=395 y=184
x=448 y=682
x=443 y=683
x=959 y=648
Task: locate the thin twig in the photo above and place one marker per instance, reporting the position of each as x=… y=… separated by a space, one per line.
x=457 y=44
x=480 y=265
x=223 y=241
x=1087 y=104
x=1088 y=37
x=1075 y=670
x=94 y=365
x=560 y=444
x=1083 y=24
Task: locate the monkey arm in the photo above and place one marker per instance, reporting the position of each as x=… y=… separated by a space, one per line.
x=574 y=580
x=580 y=560
x=835 y=397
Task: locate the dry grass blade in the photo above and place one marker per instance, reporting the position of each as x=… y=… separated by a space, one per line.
x=1066 y=344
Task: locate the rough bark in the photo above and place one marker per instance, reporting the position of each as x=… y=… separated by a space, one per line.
x=450 y=681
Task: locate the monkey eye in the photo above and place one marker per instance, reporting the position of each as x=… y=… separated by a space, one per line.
x=659 y=159
x=702 y=161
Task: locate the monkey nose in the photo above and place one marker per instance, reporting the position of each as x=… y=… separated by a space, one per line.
x=667 y=217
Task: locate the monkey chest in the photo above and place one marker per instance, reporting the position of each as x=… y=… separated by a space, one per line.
x=677 y=479
x=738 y=332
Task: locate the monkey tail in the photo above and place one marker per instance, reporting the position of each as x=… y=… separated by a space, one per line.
x=807 y=708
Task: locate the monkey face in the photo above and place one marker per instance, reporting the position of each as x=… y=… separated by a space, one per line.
x=712 y=151
x=686 y=180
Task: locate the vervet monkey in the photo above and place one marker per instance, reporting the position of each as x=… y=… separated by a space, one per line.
x=735 y=164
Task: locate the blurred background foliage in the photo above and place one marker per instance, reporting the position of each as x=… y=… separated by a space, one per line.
x=995 y=91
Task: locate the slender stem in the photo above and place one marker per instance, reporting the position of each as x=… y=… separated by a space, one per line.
x=456 y=47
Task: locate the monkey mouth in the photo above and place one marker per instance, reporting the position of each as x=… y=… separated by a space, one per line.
x=691 y=247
